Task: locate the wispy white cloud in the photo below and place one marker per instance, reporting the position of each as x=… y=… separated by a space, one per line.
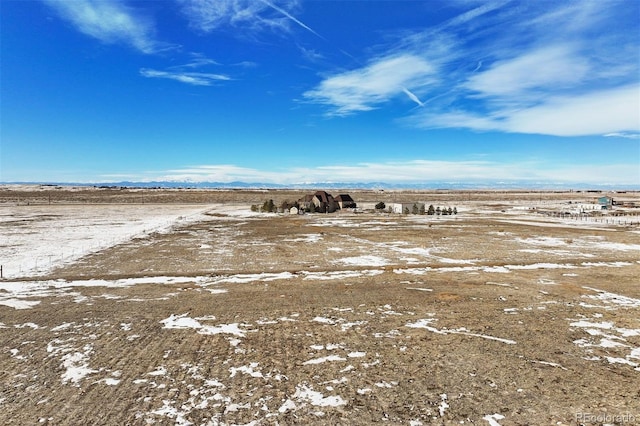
x=251 y=16
x=110 y=22
x=197 y=60
x=366 y=88
x=416 y=171
x=623 y=135
x=311 y=55
x=548 y=68
x=193 y=78
x=565 y=69
x=599 y=112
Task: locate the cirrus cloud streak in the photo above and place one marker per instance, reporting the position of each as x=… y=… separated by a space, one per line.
x=193 y=78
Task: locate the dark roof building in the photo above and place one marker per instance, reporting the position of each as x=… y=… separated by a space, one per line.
x=345 y=201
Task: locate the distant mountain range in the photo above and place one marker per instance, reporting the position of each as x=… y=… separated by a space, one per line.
x=451 y=185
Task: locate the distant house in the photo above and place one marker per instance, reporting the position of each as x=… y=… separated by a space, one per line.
x=323 y=202
x=345 y=201
x=606 y=203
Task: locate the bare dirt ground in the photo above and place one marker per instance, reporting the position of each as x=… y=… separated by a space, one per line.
x=499 y=315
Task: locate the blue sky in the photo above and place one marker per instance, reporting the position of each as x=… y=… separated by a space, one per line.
x=320 y=91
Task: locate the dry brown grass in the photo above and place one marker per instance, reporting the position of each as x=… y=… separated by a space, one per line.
x=544 y=378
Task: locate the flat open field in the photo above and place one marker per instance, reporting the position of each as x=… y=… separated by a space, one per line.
x=184 y=307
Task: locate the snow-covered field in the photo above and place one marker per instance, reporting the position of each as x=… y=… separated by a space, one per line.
x=36 y=239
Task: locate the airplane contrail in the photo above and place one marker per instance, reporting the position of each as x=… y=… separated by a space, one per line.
x=412 y=96
x=293 y=18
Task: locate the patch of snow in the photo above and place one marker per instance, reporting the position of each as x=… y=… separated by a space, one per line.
x=443 y=404
x=180 y=322
x=324 y=320
x=613 y=298
x=246 y=369
x=551 y=364
x=424 y=323
x=286 y=406
x=607 y=264
x=27 y=324
x=366 y=260
x=496 y=269
x=109 y=381
x=348 y=325
x=542 y=241
x=247 y=278
x=614 y=360
x=159 y=371
x=493 y=419
x=324 y=359
x=76 y=366
x=19 y=304
x=339 y=275
x=184 y=322
x=216 y=290
x=304 y=393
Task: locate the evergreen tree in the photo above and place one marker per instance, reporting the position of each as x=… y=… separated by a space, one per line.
x=438 y=211
x=380 y=206
x=450 y=211
x=415 y=209
x=269 y=206
x=431 y=211
x=406 y=210
x=421 y=209
x=455 y=210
